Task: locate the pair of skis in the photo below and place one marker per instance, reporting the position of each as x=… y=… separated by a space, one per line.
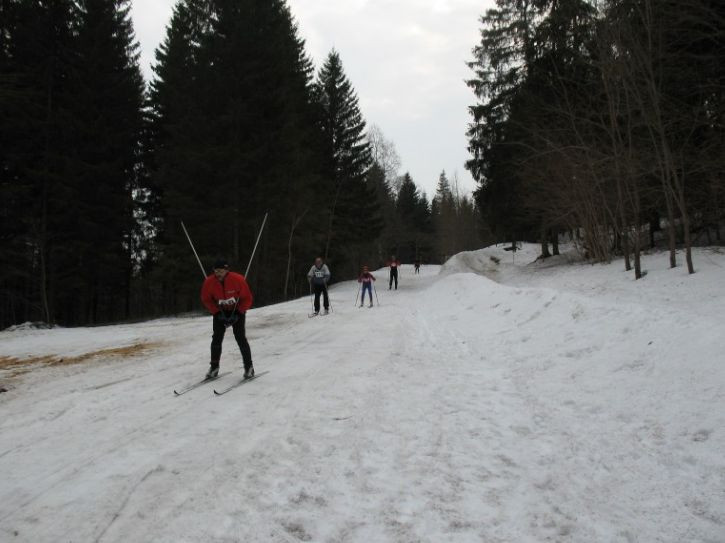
x=222 y=391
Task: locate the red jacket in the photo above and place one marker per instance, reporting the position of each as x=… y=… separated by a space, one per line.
x=366 y=277
x=394 y=263
x=233 y=286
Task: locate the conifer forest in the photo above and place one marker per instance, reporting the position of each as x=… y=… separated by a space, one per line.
x=99 y=167
x=602 y=120
x=599 y=122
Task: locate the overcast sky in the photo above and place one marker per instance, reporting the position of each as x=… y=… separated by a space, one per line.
x=405 y=58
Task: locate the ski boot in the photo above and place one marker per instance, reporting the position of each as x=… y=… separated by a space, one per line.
x=213 y=372
x=249 y=372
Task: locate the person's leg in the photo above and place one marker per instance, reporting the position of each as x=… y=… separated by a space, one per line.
x=390 y=283
x=396 y=278
x=325 y=298
x=318 y=291
x=240 y=336
x=216 y=341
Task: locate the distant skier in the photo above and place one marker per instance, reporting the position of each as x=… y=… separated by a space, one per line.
x=319 y=276
x=416 y=264
x=366 y=280
x=227 y=297
x=394 y=264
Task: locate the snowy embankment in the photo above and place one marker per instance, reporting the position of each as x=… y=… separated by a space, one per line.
x=491 y=402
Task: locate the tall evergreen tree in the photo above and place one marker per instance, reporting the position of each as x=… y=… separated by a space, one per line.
x=414 y=233
x=108 y=123
x=238 y=135
x=72 y=123
x=347 y=159
x=178 y=135
x=36 y=144
x=445 y=219
x=500 y=65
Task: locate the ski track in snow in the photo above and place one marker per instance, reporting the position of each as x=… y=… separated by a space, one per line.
x=491 y=402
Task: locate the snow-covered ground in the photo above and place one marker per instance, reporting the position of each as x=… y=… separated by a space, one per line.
x=509 y=402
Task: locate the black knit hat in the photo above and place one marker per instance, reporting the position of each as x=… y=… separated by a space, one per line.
x=221 y=263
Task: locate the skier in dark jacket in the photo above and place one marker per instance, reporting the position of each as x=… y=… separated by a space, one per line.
x=227 y=297
x=366 y=280
x=394 y=264
x=319 y=276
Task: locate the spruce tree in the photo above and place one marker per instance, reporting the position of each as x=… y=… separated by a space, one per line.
x=501 y=65
x=37 y=145
x=413 y=209
x=178 y=136
x=245 y=145
x=445 y=219
x=108 y=123
x=347 y=159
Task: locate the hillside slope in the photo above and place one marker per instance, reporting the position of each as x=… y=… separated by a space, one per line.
x=491 y=402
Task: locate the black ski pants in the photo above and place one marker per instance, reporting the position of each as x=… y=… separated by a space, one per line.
x=321 y=289
x=218 y=337
x=393 y=277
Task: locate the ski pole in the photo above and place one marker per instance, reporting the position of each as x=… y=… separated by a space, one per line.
x=329 y=301
x=358 y=294
x=312 y=304
x=255 y=245
x=192 y=248
x=376 y=294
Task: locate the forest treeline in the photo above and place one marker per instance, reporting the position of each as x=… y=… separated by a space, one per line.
x=98 y=168
x=604 y=119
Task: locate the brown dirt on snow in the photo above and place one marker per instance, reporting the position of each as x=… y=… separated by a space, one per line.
x=18 y=366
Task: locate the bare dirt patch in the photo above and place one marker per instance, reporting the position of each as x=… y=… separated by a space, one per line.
x=18 y=366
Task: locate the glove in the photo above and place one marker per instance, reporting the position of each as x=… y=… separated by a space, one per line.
x=229 y=320
x=226 y=319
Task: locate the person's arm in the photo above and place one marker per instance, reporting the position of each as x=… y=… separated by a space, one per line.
x=310 y=273
x=245 y=296
x=207 y=299
x=327 y=274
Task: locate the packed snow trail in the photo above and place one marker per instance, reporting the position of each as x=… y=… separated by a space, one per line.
x=460 y=409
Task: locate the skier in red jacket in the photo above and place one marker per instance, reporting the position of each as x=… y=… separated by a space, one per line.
x=227 y=297
x=366 y=281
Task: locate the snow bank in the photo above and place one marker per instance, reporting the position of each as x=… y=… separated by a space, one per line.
x=28 y=325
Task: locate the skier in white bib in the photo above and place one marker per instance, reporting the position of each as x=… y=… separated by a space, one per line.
x=319 y=276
